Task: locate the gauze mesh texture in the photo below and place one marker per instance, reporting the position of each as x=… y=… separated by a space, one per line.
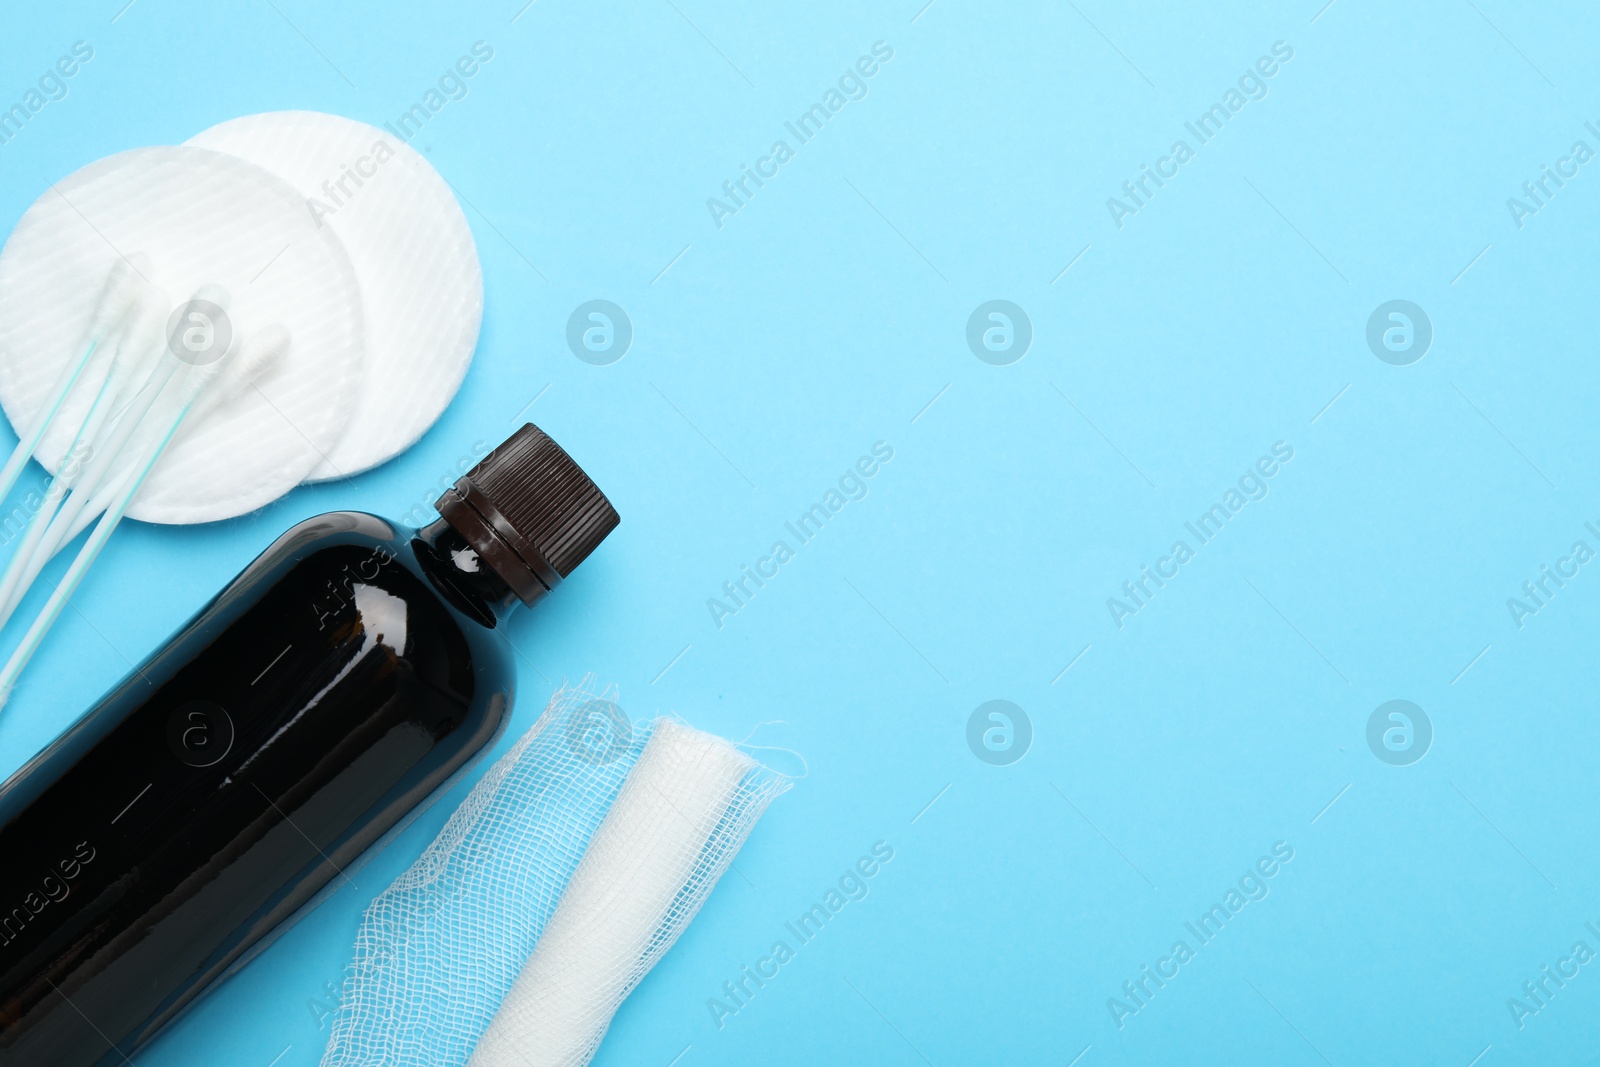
x=686 y=807
x=578 y=859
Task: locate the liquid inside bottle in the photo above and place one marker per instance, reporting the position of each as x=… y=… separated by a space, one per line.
x=335 y=686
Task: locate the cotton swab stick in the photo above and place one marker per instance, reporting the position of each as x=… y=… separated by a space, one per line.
x=190 y=389
x=116 y=297
x=133 y=354
x=257 y=356
x=158 y=365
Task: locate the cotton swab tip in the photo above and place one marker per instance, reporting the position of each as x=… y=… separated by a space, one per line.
x=262 y=352
x=213 y=294
x=200 y=332
x=123 y=284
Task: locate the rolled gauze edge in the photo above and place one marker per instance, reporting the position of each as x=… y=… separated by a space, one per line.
x=440 y=948
x=684 y=810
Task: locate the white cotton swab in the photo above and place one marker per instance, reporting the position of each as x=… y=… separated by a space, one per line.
x=134 y=351
x=189 y=389
x=256 y=358
x=119 y=293
x=147 y=372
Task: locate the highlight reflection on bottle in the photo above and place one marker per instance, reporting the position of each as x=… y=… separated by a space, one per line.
x=337 y=684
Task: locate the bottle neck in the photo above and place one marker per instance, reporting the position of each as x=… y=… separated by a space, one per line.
x=461 y=575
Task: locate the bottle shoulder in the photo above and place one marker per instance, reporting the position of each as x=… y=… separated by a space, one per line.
x=352 y=576
x=359 y=544
x=334 y=591
x=319 y=533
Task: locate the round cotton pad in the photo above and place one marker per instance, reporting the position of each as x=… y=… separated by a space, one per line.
x=203 y=218
x=414 y=255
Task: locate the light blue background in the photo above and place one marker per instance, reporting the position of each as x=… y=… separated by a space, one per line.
x=825 y=316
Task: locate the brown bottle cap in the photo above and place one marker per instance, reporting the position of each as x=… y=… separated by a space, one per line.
x=530 y=512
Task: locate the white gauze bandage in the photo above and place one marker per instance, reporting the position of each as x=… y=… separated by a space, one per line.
x=683 y=812
x=628 y=826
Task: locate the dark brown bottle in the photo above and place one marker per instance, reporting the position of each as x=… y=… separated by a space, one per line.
x=334 y=686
